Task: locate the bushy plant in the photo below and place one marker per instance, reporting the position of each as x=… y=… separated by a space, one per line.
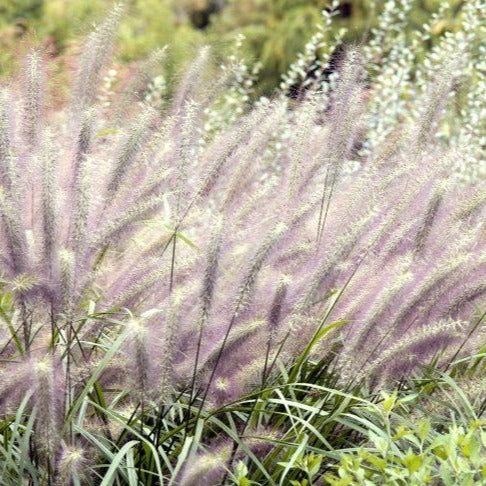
x=413 y=457
x=158 y=267
x=277 y=30
x=433 y=433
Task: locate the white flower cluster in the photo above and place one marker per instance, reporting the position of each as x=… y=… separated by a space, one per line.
x=317 y=53
x=235 y=99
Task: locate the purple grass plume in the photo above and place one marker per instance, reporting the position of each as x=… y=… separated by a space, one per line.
x=221 y=252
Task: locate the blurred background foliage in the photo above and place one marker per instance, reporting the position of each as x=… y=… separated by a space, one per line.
x=275 y=30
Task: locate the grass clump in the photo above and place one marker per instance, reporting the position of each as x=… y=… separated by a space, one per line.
x=192 y=292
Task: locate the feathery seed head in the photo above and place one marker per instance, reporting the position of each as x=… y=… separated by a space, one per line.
x=216 y=228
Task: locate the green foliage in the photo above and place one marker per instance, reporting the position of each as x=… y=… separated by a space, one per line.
x=13 y=9
x=57 y=23
x=275 y=30
x=416 y=454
